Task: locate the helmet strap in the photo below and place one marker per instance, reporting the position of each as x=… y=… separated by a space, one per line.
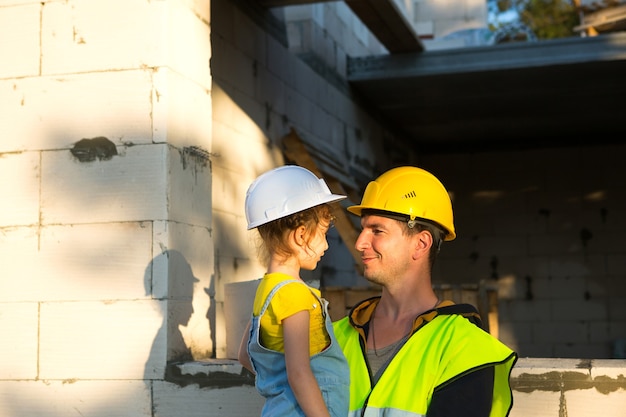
x=436 y=230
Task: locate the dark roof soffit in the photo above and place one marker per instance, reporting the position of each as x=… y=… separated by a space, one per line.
x=510 y=96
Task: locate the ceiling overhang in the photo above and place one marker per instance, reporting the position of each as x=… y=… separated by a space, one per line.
x=515 y=95
x=509 y=96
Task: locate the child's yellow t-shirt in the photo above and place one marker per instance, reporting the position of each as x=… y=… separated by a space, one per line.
x=288 y=300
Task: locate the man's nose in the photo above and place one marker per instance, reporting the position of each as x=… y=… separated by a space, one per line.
x=361 y=242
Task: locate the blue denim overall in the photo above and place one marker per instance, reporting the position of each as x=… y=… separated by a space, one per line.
x=329 y=367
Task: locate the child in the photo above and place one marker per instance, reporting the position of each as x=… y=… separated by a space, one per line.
x=289 y=343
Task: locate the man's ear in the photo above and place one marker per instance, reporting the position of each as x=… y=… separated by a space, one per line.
x=423 y=241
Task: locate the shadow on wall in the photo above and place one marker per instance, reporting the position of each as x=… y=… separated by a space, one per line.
x=170 y=281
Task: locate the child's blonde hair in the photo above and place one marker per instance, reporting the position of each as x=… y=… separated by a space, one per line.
x=274 y=234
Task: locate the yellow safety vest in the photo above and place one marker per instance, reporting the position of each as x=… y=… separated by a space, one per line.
x=443 y=348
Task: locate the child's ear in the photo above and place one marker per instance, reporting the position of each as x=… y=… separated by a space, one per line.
x=299 y=236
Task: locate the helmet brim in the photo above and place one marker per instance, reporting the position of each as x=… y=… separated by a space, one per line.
x=332 y=198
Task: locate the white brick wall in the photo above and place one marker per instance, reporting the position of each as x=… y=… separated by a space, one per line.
x=19 y=30
x=566 y=387
x=87 y=398
x=20 y=321
x=104 y=191
x=106 y=264
x=521 y=216
x=110 y=267
x=20 y=195
x=54 y=112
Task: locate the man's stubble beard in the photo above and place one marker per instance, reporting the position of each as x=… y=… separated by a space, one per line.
x=373 y=277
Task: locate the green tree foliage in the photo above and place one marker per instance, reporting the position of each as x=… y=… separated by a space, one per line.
x=547 y=19
x=550 y=19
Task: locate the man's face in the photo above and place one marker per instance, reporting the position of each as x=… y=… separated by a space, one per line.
x=385 y=250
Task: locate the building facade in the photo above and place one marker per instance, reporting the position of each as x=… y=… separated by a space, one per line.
x=130 y=133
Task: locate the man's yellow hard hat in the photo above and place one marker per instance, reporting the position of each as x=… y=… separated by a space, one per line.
x=413 y=192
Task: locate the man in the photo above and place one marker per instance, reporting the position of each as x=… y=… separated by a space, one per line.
x=411 y=354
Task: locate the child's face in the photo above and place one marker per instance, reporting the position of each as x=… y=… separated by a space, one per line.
x=316 y=246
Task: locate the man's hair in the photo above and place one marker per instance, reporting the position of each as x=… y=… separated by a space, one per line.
x=436 y=233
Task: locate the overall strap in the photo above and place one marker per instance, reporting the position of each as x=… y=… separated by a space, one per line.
x=279 y=286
